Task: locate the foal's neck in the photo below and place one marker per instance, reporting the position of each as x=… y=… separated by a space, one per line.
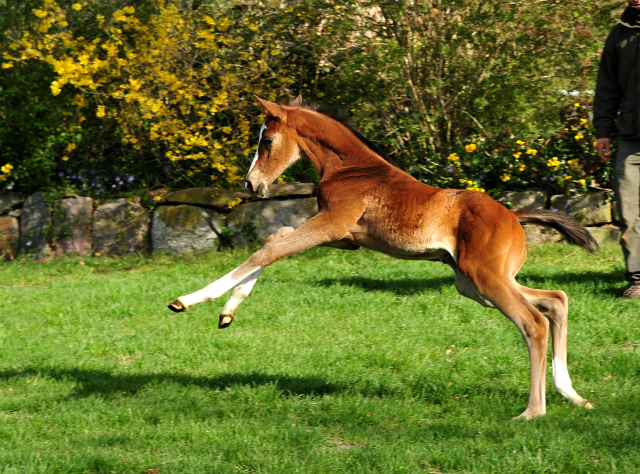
x=331 y=146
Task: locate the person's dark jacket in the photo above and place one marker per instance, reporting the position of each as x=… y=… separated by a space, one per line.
x=618 y=84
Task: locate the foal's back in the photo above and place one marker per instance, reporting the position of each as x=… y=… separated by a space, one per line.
x=405 y=218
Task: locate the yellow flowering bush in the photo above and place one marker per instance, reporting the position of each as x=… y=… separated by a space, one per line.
x=176 y=82
x=559 y=164
x=6 y=171
x=471 y=185
x=553 y=163
x=157 y=93
x=470 y=148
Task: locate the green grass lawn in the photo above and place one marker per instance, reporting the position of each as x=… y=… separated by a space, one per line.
x=338 y=362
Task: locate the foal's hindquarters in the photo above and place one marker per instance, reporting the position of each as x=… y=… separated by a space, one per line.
x=488 y=259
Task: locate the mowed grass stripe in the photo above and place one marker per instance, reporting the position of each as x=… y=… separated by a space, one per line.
x=338 y=362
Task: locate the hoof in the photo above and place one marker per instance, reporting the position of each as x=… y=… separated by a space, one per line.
x=580 y=402
x=225 y=321
x=177 y=307
x=527 y=415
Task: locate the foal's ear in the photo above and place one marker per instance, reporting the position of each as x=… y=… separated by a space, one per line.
x=271 y=109
x=297 y=102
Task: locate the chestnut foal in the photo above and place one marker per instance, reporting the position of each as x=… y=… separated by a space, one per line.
x=364 y=201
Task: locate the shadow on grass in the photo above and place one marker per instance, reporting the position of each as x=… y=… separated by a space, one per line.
x=602 y=283
x=432 y=391
x=100 y=382
x=480 y=398
x=403 y=287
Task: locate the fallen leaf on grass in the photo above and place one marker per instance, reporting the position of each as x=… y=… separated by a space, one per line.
x=342 y=444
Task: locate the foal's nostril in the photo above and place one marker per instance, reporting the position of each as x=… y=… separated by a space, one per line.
x=248 y=186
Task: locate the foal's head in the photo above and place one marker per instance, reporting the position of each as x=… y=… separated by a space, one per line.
x=277 y=149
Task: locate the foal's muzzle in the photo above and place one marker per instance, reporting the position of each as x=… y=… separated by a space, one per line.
x=248 y=186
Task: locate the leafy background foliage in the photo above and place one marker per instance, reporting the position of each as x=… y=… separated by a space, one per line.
x=109 y=97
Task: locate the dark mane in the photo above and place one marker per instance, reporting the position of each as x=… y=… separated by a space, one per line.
x=332 y=114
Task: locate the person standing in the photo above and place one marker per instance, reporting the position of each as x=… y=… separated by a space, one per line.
x=616 y=108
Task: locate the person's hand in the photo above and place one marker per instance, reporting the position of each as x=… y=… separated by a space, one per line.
x=602 y=147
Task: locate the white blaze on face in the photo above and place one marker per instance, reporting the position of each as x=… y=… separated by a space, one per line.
x=255 y=157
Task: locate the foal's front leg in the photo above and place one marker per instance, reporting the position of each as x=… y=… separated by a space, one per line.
x=317 y=230
x=215 y=290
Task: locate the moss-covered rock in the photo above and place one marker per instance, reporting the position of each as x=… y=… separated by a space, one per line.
x=589 y=210
x=35 y=220
x=72 y=226
x=256 y=221
x=9 y=236
x=606 y=234
x=292 y=190
x=537 y=235
x=221 y=200
x=120 y=227
x=183 y=229
x=8 y=202
x=531 y=198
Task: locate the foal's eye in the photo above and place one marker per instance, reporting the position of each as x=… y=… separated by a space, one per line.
x=267 y=141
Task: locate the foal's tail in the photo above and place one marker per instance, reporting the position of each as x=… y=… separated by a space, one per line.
x=573 y=232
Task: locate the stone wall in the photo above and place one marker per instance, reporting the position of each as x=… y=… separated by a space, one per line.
x=203 y=219
x=594 y=211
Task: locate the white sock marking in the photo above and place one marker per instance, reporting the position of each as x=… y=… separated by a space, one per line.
x=240 y=293
x=216 y=289
x=562 y=381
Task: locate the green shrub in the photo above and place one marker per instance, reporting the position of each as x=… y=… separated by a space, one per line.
x=565 y=163
x=102 y=98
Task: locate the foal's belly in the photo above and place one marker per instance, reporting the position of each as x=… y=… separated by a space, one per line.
x=403 y=249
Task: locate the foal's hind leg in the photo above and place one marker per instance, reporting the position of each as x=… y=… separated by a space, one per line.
x=555 y=305
x=502 y=293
